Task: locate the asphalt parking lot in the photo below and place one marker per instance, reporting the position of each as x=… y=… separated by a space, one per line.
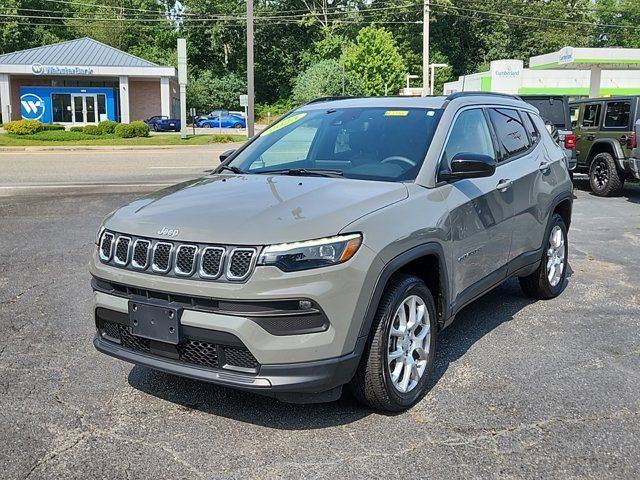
x=521 y=389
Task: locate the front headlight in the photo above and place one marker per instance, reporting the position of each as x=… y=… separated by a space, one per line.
x=99 y=235
x=291 y=257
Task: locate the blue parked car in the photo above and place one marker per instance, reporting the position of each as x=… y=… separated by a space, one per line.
x=161 y=123
x=227 y=120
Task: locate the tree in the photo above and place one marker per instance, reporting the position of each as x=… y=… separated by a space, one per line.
x=207 y=92
x=324 y=79
x=376 y=61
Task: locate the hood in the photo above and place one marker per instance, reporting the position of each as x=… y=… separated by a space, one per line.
x=254 y=209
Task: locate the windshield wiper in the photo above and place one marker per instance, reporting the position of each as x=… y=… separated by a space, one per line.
x=233 y=169
x=301 y=172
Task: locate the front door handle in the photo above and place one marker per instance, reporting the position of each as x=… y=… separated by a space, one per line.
x=504 y=185
x=544 y=166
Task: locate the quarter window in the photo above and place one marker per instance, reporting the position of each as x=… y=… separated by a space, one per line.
x=470 y=134
x=529 y=124
x=591 y=116
x=617 y=115
x=510 y=130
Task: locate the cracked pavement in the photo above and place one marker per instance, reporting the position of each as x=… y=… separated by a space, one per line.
x=521 y=389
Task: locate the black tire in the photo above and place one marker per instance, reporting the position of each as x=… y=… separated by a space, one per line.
x=604 y=178
x=237 y=125
x=537 y=285
x=155 y=127
x=206 y=125
x=372 y=384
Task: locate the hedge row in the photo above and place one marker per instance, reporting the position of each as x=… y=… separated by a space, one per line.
x=122 y=130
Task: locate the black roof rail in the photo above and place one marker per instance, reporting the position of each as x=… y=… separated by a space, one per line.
x=455 y=95
x=328 y=99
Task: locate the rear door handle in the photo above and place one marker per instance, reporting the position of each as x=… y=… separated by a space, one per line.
x=504 y=185
x=544 y=166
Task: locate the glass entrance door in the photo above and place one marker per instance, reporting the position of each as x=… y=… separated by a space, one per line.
x=84 y=109
x=78 y=109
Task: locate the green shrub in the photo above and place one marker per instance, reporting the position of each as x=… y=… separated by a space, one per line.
x=133 y=129
x=52 y=127
x=76 y=129
x=141 y=129
x=92 y=130
x=222 y=138
x=23 y=127
x=125 y=130
x=107 y=126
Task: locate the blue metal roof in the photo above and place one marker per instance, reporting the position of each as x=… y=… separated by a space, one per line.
x=83 y=51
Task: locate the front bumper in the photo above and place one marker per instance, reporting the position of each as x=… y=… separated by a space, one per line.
x=294 y=382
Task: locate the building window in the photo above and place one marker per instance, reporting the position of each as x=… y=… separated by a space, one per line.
x=61 y=107
x=102 y=107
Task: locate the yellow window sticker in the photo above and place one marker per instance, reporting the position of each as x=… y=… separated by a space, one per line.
x=284 y=123
x=396 y=113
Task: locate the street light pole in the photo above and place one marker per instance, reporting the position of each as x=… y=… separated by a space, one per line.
x=250 y=81
x=425 y=48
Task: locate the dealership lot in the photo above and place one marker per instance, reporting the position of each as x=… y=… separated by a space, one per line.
x=521 y=388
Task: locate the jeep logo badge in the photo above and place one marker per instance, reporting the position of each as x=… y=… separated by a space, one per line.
x=168 y=232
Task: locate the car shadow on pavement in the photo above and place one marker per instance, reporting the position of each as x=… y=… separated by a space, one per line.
x=471 y=324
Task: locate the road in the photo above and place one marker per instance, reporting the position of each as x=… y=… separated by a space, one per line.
x=107 y=171
x=521 y=389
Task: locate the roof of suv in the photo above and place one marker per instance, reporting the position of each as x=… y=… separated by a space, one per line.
x=439 y=101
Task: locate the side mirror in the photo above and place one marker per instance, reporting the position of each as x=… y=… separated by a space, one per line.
x=470 y=165
x=227 y=154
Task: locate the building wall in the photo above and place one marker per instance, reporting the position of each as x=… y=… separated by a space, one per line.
x=144 y=99
x=16 y=83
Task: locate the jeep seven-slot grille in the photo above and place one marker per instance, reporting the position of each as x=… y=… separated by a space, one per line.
x=186 y=259
x=195 y=352
x=141 y=254
x=240 y=264
x=221 y=263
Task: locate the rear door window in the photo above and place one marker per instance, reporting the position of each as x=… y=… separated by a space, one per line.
x=534 y=134
x=591 y=116
x=510 y=131
x=617 y=115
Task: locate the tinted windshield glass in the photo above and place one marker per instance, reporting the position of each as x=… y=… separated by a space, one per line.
x=387 y=144
x=552 y=110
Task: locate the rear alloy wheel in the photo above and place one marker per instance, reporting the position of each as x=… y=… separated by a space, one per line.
x=604 y=178
x=398 y=358
x=206 y=125
x=237 y=125
x=549 y=278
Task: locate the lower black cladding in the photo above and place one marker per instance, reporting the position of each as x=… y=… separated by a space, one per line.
x=199 y=347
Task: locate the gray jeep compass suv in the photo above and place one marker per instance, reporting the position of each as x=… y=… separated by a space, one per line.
x=332 y=249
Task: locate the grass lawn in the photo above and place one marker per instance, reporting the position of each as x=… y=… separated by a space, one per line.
x=62 y=138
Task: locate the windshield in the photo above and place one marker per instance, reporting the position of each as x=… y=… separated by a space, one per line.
x=387 y=144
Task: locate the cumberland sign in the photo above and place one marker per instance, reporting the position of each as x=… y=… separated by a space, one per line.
x=38 y=69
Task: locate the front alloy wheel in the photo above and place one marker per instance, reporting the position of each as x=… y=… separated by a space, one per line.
x=398 y=357
x=409 y=344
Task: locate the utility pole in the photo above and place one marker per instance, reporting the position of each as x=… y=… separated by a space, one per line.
x=425 y=48
x=182 y=81
x=250 y=82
